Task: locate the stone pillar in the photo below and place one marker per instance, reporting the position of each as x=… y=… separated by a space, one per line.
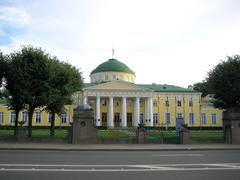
x=85 y=99
x=231 y=125
x=185 y=136
x=110 y=113
x=124 y=113
x=146 y=120
x=136 y=112
x=97 y=111
x=150 y=110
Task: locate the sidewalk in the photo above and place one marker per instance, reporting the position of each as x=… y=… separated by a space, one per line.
x=116 y=147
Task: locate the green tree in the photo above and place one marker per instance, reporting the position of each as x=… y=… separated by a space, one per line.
x=15 y=85
x=2 y=65
x=29 y=83
x=202 y=87
x=224 y=82
x=64 y=81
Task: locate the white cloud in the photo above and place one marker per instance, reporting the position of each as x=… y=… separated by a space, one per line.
x=13 y=16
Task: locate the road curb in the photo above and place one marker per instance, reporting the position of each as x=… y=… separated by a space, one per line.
x=117 y=149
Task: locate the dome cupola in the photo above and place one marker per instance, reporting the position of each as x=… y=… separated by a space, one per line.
x=112 y=70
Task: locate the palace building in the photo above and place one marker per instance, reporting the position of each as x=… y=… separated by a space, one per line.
x=118 y=102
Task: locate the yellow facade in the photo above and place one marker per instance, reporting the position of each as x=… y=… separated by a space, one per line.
x=152 y=105
x=40 y=117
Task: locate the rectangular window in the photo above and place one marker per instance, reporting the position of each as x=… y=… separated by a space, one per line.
x=167 y=103
x=179 y=115
x=114 y=77
x=106 y=77
x=190 y=103
x=155 y=118
x=203 y=118
x=64 y=118
x=117 y=102
x=214 y=118
x=12 y=117
x=141 y=103
x=191 y=118
x=155 y=103
x=129 y=103
x=49 y=117
x=24 y=116
x=167 y=118
x=38 y=117
x=91 y=102
x=179 y=103
x=1 y=117
x=104 y=102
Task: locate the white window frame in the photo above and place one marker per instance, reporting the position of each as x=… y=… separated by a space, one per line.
x=49 y=117
x=203 y=118
x=191 y=118
x=24 y=116
x=12 y=117
x=214 y=118
x=1 y=117
x=64 y=118
x=167 y=118
x=38 y=117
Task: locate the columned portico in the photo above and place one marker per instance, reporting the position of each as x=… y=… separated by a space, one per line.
x=124 y=113
x=136 y=112
x=110 y=113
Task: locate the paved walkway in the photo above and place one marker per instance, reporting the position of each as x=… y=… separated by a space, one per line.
x=116 y=147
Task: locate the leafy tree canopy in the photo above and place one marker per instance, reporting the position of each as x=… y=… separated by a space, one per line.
x=224 y=82
x=201 y=87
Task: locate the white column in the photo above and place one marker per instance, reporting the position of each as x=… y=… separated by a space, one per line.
x=124 y=113
x=136 y=112
x=85 y=99
x=98 y=111
x=146 y=119
x=150 y=112
x=110 y=113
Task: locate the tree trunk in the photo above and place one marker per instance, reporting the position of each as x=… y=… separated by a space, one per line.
x=30 y=115
x=16 y=122
x=52 y=128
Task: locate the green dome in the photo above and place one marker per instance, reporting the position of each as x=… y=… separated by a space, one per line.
x=112 y=65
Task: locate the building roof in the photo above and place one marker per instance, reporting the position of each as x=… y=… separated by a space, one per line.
x=113 y=65
x=166 y=88
x=155 y=87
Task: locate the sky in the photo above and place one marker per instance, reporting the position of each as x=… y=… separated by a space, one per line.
x=162 y=41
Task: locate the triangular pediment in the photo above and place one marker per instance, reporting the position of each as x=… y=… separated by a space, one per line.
x=118 y=85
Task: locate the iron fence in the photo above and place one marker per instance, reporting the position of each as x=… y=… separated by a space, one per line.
x=117 y=135
x=39 y=133
x=206 y=134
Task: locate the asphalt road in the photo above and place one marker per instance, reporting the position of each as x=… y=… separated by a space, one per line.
x=147 y=165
